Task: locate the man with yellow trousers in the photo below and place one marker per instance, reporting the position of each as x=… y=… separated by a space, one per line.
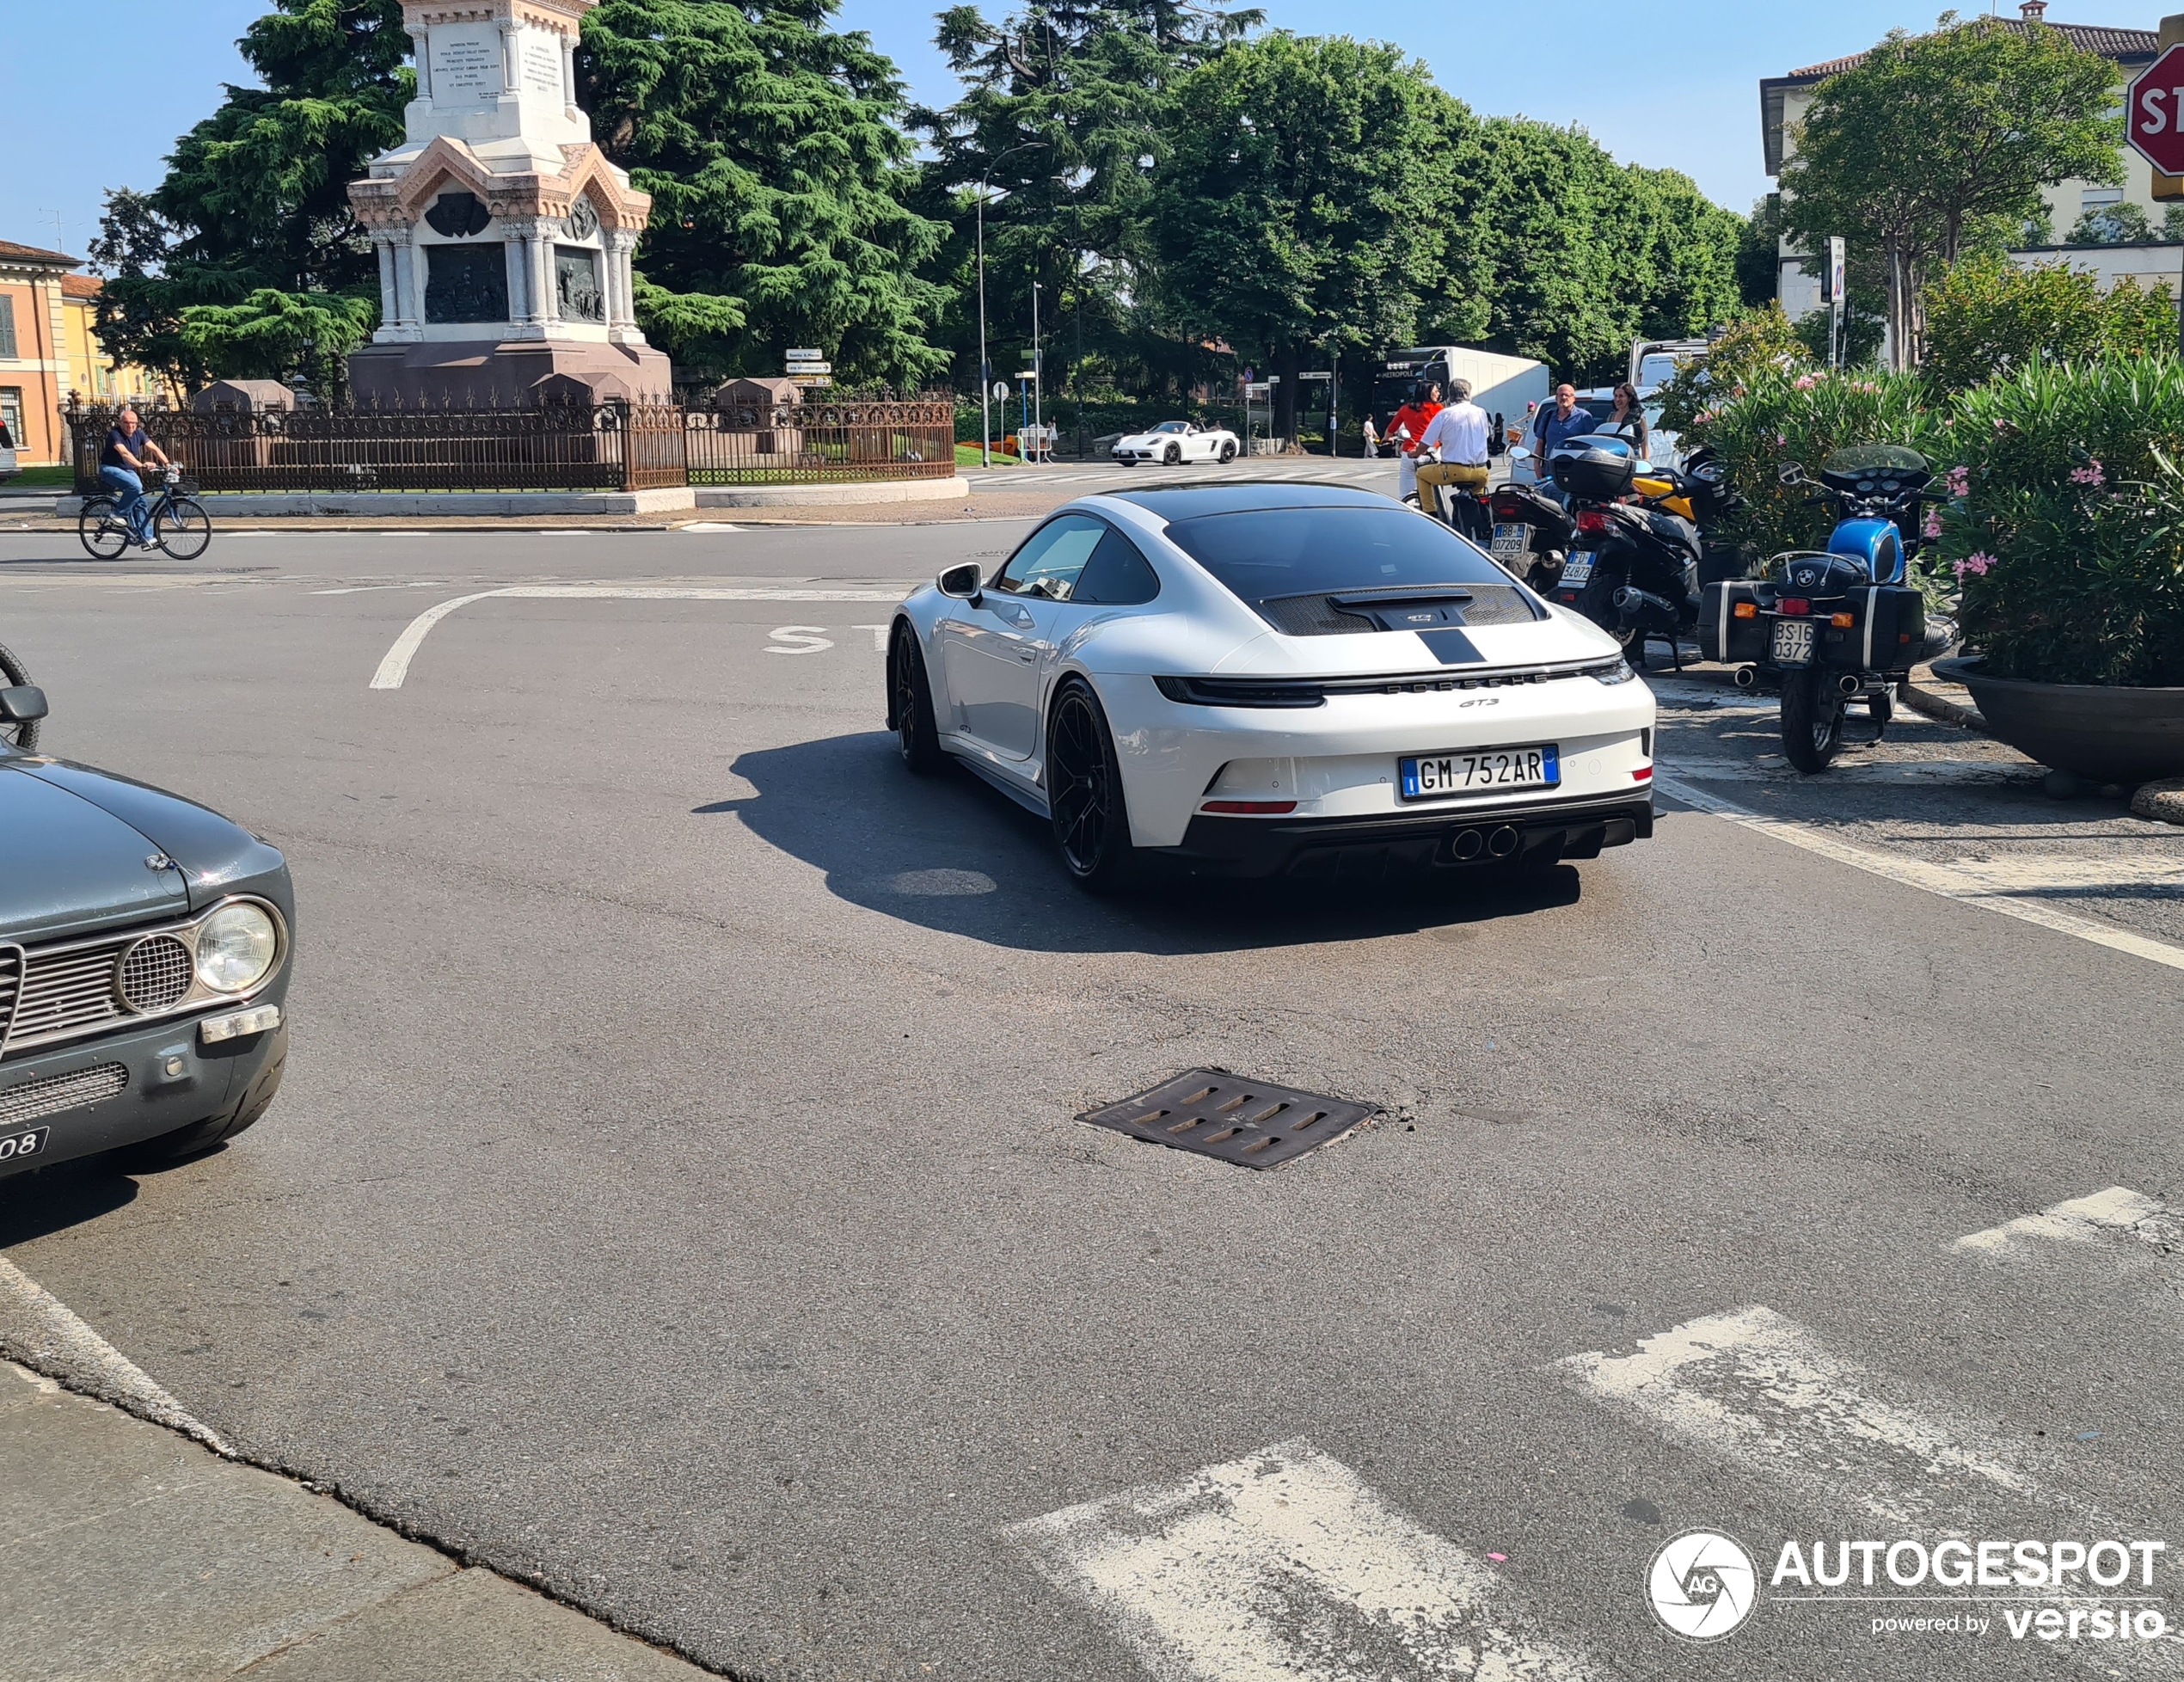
x=1460 y=431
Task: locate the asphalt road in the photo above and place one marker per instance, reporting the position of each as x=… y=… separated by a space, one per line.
x=676 y=1199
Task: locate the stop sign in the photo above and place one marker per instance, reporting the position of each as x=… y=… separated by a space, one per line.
x=2154 y=108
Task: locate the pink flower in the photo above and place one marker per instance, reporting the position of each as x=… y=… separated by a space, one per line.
x=1933 y=526
x=1959 y=482
x=1806 y=382
x=1782 y=441
x=2002 y=427
x=2088 y=474
x=1977 y=565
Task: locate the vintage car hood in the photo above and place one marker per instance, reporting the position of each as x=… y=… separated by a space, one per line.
x=219 y=857
x=68 y=866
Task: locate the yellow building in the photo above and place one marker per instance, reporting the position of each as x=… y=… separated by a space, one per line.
x=49 y=348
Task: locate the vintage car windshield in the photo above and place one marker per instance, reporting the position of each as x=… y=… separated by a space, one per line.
x=1268 y=553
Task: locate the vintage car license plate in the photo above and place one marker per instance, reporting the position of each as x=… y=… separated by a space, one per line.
x=1577 y=570
x=24 y=1145
x=1478 y=771
x=1793 y=644
x=1510 y=542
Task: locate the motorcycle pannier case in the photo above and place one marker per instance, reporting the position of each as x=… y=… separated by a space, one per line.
x=1888 y=632
x=1596 y=474
x=1722 y=635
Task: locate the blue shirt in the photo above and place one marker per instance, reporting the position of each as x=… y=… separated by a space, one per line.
x=1549 y=429
x=117 y=441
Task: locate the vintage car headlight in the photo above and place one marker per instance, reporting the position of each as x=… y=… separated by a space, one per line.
x=236 y=948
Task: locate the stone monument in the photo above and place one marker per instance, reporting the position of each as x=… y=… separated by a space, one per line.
x=504 y=234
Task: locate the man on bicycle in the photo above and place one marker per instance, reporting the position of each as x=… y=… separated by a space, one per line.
x=121 y=467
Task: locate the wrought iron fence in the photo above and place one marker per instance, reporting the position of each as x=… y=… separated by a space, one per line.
x=558 y=447
x=742 y=444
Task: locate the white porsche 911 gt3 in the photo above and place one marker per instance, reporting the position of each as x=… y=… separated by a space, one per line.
x=1174 y=441
x=1273 y=680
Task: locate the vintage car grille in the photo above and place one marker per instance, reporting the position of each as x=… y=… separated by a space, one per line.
x=155 y=973
x=68 y=992
x=31 y=1099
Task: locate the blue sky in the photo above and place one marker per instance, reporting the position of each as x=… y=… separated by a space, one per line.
x=1673 y=83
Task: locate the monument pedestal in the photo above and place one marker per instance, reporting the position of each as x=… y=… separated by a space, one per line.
x=505 y=373
x=504 y=234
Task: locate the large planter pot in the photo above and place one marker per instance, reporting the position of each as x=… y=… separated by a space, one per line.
x=2107 y=734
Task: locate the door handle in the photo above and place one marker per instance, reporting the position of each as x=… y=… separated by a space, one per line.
x=1028 y=656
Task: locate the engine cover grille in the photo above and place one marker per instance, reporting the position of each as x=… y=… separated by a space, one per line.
x=55 y=1093
x=1316 y=615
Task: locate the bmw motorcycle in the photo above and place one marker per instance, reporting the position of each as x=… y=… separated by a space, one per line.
x=1843 y=626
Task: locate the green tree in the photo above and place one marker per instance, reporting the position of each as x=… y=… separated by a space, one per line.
x=1303 y=200
x=1759 y=341
x=1986 y=318
x=1917 y=152
x=271 y=334
x=1064 y=120
x=255 y=199
x=1760 y=254
x=2112 y=225
x=772 y=148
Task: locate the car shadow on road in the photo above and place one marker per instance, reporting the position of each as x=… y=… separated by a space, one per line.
x=952 y=854
x=65 y=1195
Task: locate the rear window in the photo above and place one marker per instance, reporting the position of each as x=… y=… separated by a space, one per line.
x=1265 y=553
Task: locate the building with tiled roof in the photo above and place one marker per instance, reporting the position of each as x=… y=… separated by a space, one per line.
x=49 y=348
x=1784 y=100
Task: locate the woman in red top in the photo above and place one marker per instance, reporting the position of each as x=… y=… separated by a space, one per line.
x=1425 y=403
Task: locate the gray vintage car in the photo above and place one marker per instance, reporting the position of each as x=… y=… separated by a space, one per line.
x=145 y=946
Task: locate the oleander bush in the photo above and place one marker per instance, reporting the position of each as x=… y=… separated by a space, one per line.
x=2067 y=534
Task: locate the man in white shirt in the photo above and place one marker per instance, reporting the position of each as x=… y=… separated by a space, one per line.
x=1460 y=429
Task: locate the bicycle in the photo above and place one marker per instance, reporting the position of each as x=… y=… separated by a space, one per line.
x=177 y=520
x=23 y=737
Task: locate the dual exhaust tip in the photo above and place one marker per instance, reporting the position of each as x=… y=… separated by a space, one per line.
x=1850 y=683
x=1497 y=843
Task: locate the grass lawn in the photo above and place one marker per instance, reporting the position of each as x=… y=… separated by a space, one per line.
x=966 y=455
x=60 y=477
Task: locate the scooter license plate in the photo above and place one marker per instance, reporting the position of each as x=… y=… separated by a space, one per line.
x=1510 y=542
x=1793 y=644
x=1577 y=570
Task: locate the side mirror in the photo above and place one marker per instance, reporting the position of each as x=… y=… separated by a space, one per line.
x=1523 y=452
x=962 y=583
x=23 y=704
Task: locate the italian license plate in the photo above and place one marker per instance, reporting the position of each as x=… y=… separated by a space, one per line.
x=1793 y=644
x=1510 y=542
x=1577 y=570
x=24 y=1145
x=1480 y=771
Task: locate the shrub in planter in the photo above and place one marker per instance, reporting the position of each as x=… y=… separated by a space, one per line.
x=1986 y=318
x=1777 y=416
x=2068 y=532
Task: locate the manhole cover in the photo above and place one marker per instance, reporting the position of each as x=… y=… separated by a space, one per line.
x=1254 y=1123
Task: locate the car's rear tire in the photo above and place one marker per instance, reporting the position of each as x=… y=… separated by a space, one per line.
x=1228 y=453
x=1085 y=800
x=198 y=1137
x=910 y=705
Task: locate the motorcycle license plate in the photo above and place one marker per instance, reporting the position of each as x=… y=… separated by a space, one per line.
x=1479 y=770
x=1577 y=570
x=1510 y=542
x=1793 y=643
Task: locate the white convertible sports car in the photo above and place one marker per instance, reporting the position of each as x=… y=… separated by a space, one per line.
x=1268 y=680
x=1173 y=441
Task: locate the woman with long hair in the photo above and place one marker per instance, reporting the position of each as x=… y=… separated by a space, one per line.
x=1627 y=419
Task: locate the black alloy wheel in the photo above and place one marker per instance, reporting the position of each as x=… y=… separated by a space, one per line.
x=1084 y=791
x=1174 y=455
x=1812 y=719
x=910 y=705
x=23 y=737
x=1228 y=453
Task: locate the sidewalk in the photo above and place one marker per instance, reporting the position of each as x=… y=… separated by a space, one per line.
x=136 y=1555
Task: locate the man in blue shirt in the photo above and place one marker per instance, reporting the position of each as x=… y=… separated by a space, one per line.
x=121 y=466
x=1556 y=422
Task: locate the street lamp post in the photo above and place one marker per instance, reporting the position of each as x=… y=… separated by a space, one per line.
x=1038 y=368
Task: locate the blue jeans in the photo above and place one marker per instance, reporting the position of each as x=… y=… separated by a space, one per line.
x=129 y=495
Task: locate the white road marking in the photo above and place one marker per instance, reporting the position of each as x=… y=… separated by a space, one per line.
x=395 y=667
x=36 y=1326
x=1992 y=887
x=1757 y=1389
x=1284 y=1567
x=2083 y=1221
x=799 y=639
x=878 y=636
x=708 y=526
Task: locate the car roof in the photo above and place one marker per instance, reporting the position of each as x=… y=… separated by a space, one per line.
x=1248 y=497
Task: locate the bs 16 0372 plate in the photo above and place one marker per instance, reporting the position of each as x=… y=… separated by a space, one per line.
x=1254 y=1124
